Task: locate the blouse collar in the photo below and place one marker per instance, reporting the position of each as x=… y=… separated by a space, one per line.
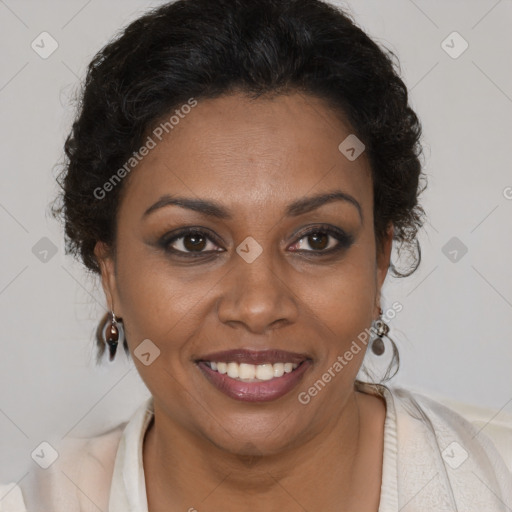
x=128 y=490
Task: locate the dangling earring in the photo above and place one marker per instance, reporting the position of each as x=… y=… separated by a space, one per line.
x=113 y=333
x=381 y=329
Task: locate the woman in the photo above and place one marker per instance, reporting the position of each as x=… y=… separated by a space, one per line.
x=237 y=175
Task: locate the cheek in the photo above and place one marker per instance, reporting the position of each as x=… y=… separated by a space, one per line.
x=157 y=302
x=345 y=302
x=167 y=310
x=348 y=304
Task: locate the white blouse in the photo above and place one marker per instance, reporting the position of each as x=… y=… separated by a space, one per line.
x=434 y=460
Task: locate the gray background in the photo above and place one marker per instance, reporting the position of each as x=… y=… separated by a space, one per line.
x=455 y=330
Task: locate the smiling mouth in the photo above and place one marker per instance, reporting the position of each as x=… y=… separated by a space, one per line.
x=254 y=376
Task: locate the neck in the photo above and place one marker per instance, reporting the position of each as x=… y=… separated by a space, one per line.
x=185 y=470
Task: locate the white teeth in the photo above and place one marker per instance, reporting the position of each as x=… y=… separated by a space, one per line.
x=232 y=370
x=246 y=371
x=253 y=373
x=288 y=367
x=278 y=369
x=264 y=372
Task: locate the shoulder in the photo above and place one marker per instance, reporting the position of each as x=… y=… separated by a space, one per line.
x=432 y=433
x=449 y=417
x=11 y=498
x=78 y=479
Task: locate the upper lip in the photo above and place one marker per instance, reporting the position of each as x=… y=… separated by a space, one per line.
x=248 y=356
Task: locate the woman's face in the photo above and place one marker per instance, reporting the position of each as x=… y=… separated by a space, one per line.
x=256 y=277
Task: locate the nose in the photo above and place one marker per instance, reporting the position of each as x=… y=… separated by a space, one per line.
x=257 y=296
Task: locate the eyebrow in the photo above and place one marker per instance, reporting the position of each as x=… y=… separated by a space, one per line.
x=215 y=209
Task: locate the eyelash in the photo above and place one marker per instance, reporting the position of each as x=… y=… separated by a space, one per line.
x=344 y=241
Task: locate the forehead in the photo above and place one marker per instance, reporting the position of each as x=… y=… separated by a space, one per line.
x=249 y=153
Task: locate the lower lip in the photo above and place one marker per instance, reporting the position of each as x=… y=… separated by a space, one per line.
x=264 y=391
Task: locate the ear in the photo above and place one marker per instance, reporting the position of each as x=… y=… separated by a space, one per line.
x=383 y=260
x=104 y=257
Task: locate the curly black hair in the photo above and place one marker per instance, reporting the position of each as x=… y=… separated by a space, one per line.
x=203 y=49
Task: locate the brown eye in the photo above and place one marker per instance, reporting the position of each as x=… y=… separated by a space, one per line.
x=188 y=242
x=194 y=242
x=318 y=241
x=323 y=240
